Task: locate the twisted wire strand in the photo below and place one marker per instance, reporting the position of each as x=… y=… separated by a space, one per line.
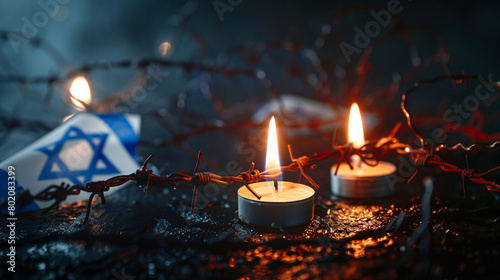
x=369 y=154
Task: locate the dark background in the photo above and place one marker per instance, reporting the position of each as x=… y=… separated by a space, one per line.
x=153 y=233
x=94 y=32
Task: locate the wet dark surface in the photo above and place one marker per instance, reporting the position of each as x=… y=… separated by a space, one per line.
x=137 y=236
x=416 y=233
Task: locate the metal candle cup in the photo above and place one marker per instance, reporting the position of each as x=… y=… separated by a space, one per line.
x=362 y=181
x=281 y=204
x=292 y=206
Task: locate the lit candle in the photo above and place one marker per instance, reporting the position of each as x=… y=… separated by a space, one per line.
x=282 y=204
x=363 y=181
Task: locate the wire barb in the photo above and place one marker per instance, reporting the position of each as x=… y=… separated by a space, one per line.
x=252 y=176
x=143 y=175
x=304 y=165
x=95 y=187
x=201 y=179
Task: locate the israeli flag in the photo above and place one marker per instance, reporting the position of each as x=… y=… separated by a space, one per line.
x=87 y=147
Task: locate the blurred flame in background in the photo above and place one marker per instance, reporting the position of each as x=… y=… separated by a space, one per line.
x=164 y=48
x=80 y=93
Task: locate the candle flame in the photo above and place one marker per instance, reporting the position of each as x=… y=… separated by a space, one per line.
x=356 y=135
x=272 y=155
x=164 y=48
x=80 y=93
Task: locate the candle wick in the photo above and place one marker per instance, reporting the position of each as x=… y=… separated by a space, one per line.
x=275 y=185
x=356 y=161
x=359 y=162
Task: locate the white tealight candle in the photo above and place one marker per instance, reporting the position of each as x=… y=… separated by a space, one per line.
x=281 y=204
x=363 y=181
x=292 y=206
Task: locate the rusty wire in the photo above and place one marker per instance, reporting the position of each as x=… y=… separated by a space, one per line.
x=427 y=156
x=369 y=153
x=144 y=177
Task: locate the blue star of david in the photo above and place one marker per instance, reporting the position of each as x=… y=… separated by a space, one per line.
x=96 y=142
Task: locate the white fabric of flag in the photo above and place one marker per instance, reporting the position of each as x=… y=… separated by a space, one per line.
x=87 y=147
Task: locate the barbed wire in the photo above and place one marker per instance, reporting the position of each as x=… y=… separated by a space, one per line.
x=369 y=153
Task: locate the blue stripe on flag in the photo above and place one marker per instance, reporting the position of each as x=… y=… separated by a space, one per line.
x=124 y=131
